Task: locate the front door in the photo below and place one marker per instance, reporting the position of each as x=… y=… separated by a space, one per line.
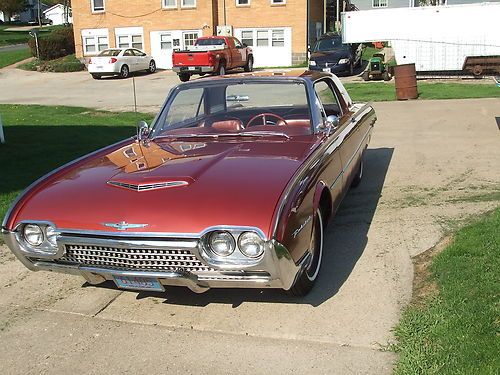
x=161 y=48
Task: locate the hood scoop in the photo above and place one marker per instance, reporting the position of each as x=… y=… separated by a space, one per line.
x=148 y=186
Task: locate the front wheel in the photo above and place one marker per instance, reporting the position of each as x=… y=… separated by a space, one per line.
x=222 y=69
x=366 y=76
x=184 y=77
x=386 y=76
x=124 y=71
x=152 y=66
x=306 y=280
x=249 y=64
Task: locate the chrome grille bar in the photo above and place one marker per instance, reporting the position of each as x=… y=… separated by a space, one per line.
x=133 y=258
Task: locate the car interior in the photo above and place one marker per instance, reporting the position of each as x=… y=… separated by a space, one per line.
x=239 y=109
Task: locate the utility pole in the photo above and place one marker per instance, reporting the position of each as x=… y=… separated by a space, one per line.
x=39 y=15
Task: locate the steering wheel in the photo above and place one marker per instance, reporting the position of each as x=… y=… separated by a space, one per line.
x=264 y=116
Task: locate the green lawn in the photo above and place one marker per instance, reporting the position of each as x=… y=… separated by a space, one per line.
x=11 y=57
x=456 y=330
x=378 y=91
x=12 y=37
x=39 y=139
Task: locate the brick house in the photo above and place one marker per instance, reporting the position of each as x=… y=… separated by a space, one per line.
x=277 y=30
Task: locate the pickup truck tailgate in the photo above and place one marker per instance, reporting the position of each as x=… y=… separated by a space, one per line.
x=191 y=58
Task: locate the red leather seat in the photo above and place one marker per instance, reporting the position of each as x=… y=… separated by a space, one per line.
x=231 y=125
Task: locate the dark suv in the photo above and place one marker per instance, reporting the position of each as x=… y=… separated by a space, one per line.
x=331 y=55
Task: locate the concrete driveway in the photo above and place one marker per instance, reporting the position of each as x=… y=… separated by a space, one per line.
x=430 y=163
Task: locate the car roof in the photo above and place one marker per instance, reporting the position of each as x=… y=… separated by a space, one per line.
x=274 y=73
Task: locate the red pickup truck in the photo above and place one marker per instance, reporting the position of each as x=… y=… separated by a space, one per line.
x=212 y=54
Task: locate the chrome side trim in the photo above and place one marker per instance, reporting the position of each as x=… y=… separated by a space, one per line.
x=36 y=182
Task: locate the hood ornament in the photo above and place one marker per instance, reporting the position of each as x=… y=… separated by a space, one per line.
x=123 y=225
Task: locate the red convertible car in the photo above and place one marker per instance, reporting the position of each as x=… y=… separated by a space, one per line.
x=230 y=187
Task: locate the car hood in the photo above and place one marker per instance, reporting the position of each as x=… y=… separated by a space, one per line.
x=173 y=187
x=329 y=56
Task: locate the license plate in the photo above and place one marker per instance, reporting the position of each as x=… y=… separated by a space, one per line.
x=191 y=68
x=326 y=70
x=138 y=283
x=98 y=67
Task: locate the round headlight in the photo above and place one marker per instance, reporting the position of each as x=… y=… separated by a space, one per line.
x=250 y=244
x=51 y=234
x=221 y=243
x=312 y=63
x=33 y=234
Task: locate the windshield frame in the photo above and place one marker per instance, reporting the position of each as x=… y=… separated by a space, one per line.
x=155 y=128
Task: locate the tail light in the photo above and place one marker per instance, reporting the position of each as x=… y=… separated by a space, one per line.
x=112 y=60
x=90 y=61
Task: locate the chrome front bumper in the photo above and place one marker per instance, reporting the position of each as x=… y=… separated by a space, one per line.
x=276 y=269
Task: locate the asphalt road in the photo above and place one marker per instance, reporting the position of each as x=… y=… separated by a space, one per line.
x=427 y=163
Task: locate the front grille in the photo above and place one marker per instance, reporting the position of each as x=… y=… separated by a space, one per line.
x=133 y=259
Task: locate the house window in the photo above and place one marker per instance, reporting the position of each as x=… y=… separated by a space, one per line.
x=165 y=41
x=127 y=41
x=94 y=44
x=97 y=5
x=278 y=38
x=278 y=2
x=262 y=38
x=242 y=2
x=137 y=41
x=169 y=4
x=189 y=39
x=380 y=3
x=188 y=3
x=247 y=37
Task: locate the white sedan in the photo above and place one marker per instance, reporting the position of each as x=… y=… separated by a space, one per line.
x=120 y=61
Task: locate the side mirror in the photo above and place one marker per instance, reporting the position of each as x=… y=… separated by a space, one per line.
x=330 y=124
x=142 y=130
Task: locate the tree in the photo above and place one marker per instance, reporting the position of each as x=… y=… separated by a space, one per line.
x=9 y=7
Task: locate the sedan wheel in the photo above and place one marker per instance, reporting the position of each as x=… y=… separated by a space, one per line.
x=152 y=66
x=124 y=72
x=306 y=280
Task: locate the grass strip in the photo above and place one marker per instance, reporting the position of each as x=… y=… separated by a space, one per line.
x=379 y=92
x=11 y=57
x=454 y=329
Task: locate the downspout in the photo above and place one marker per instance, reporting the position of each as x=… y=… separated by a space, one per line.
x=307 y=29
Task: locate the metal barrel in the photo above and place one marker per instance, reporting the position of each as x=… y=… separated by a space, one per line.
x=406 y=81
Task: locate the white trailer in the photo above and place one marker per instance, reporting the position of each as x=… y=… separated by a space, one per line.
x=437 y=38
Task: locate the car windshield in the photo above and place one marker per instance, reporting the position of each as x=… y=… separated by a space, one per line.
x=110 y=52
x=210 y=42
x=231 y=109
x=330 y=44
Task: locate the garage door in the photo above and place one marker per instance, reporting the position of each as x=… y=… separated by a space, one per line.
x=271 y=46
x=163 y=44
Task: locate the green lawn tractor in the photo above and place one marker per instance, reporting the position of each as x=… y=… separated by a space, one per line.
x=377 y=68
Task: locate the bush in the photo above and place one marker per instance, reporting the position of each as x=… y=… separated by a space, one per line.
x=64 y=64
x=58 y=43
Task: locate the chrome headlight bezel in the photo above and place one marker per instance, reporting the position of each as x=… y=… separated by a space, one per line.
x=237 y=259
x=48 y=248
